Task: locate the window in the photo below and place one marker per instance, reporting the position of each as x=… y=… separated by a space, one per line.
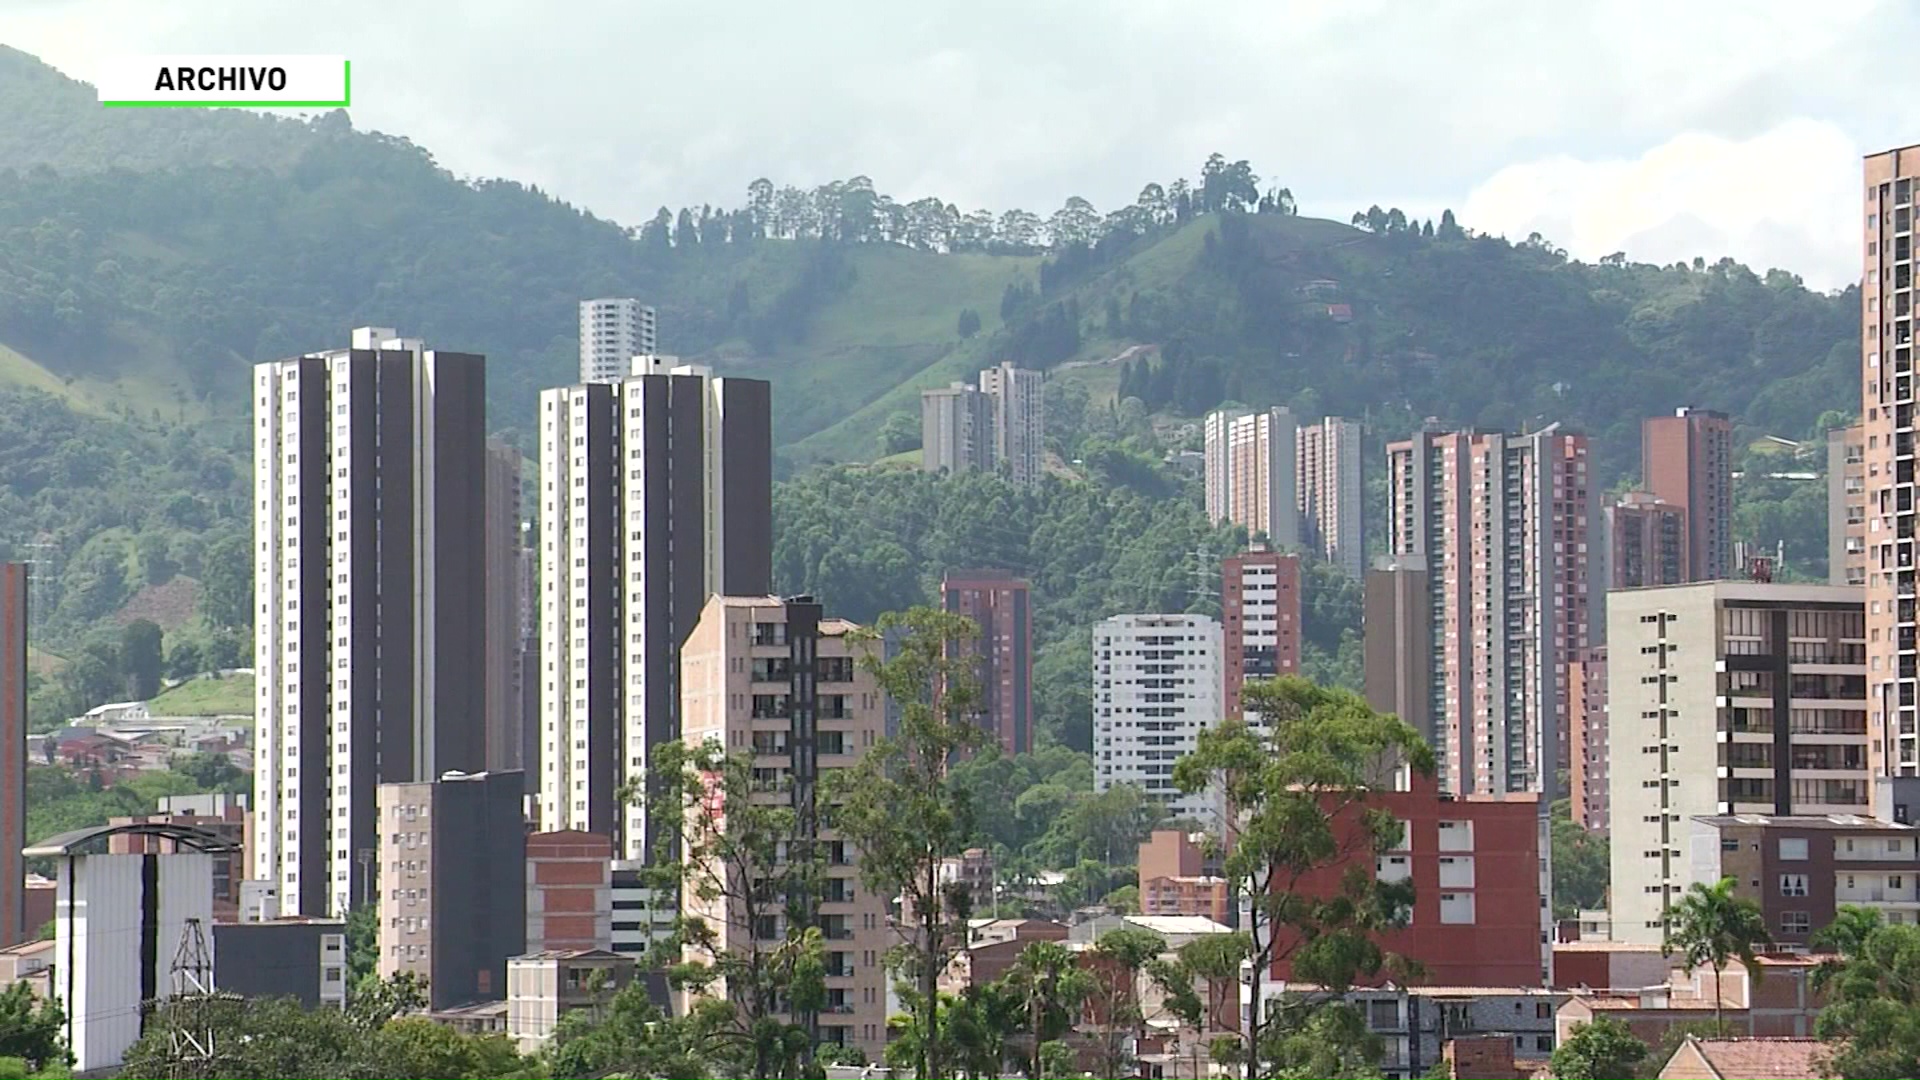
x=1793 y=884
x=1793 y=849
x=1795 y=922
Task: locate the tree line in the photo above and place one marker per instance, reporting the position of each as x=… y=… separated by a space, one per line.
x=852 y=211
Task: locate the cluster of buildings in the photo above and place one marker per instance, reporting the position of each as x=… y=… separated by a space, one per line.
x=433 y=746
x=997 y=425
x=455 y=753
x=1620 y=653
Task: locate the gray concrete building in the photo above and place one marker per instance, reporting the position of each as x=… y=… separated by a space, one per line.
x=304 y=959
x=1397 y=645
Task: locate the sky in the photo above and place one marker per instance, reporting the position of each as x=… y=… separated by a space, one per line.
x=1665 y=130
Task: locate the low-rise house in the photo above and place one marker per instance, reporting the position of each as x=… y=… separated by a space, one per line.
x=1606 y=965
x=1777 y=1058
x=1781 y=1002
x=993 y=946
x=478 y=1018
x=543 y=987
x=29 y=962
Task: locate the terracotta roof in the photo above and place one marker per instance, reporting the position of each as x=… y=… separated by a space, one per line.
x=1777 y=1058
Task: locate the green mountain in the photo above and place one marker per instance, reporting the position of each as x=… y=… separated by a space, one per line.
x=148 y=256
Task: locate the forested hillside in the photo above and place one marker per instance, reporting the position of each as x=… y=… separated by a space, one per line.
x=148 y=256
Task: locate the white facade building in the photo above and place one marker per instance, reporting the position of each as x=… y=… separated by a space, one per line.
x=1252 y=473
x=1156 y=686
x=115 y=942
x=656 y=492
x=612 y=332
x=370 y=585
x=1019 y=436
x=1726 y=698
x=1327 y=475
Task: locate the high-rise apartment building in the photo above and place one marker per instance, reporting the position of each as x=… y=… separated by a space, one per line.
x=453 y=883
x=1298 y=484
x=999 y=422
x=777 y=679
x=1251 y=467
x=1847 y=506
x=1686 y=460
x=1726 y=698
x=1330 y=494
x=1588 y=789
x=956 y=430
x=1887 y=423
x=507 y=663
x=1002 y=606
x=1646 y=542
x=1501 y=521
x=656 y=493
x=1156 y=686
x=612 y=332
x=1397 y=645
x=13 y=752
x=1260 y=620
x=371 y=588
x=1019 y=433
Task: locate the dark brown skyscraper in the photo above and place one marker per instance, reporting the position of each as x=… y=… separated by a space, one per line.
x=1002 y=605
x=1687 y=459
x=1647 y=542
x=13 y=751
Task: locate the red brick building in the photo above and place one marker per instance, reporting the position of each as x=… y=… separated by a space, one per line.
x=1480 y=915
x=569 y=891
x=1586 y=757
x=1260 y=618
x=1002 y=606
x=1687 y=460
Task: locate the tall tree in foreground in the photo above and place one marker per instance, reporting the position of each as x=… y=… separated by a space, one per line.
x=896 y=808
x=1299 y=794
x=1712 y=926
x=1872 y=1015
x=745 y=871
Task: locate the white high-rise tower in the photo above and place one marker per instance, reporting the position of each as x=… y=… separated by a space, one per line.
x=612 y=332
x=370 y=584
x=656 y=493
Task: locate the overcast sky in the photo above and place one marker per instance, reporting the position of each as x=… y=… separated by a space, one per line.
x=1664 y=129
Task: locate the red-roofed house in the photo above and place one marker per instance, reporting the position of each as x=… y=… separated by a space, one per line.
x=1748 y=1059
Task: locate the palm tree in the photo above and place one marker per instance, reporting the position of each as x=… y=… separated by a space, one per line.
x=1047 y=979
x=1844 y=937
x=1712 y=926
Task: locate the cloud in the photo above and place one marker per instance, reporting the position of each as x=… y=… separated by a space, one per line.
x=1787 y=197
x=623 y=106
